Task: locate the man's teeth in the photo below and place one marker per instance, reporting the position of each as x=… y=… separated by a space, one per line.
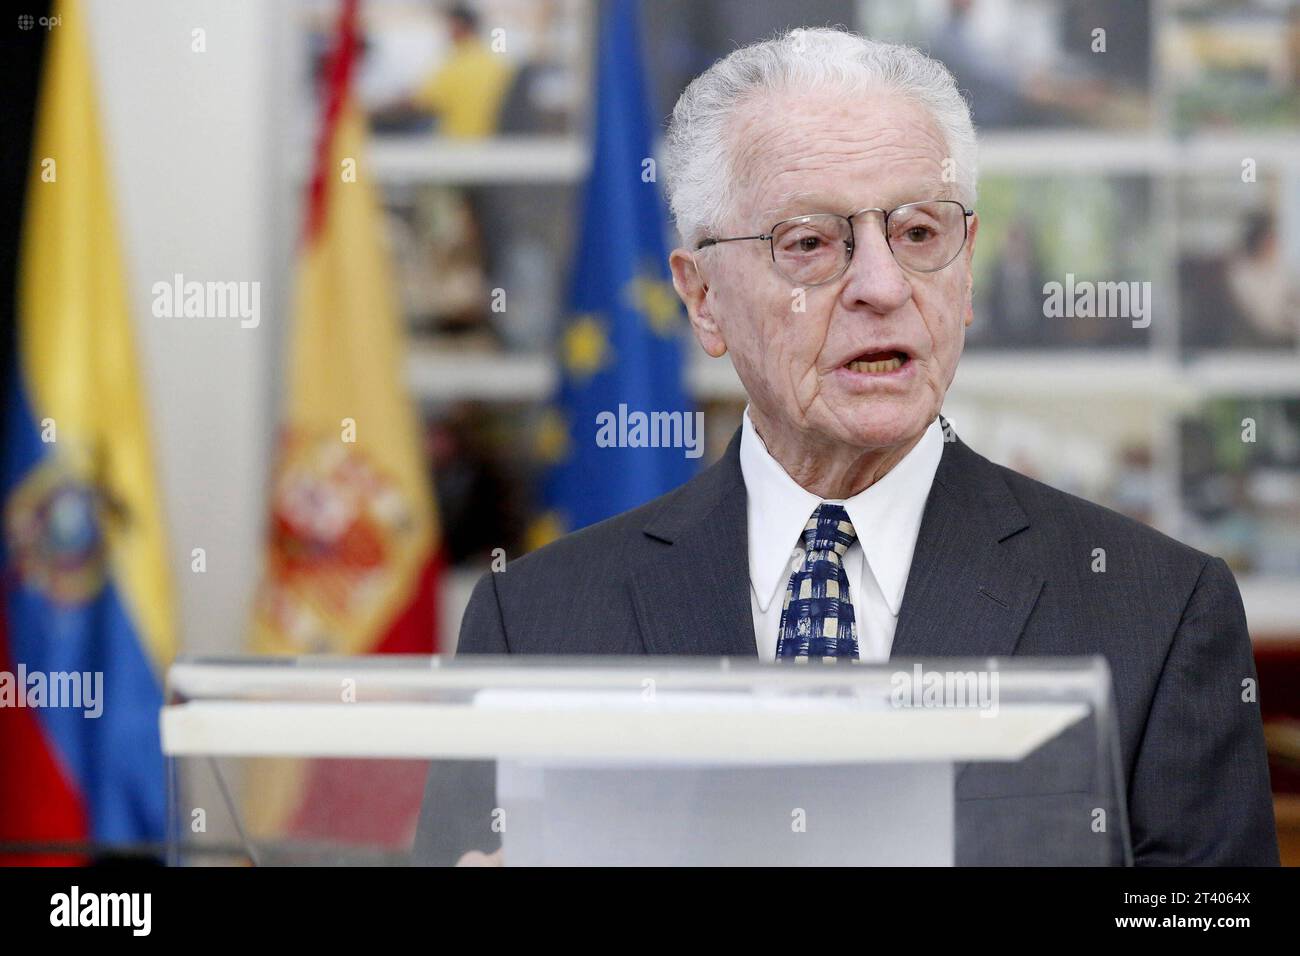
x=885 y=365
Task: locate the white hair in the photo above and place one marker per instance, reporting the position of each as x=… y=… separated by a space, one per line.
x=698 y=164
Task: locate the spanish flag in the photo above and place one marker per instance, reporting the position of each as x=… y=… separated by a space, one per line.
x=352 y=562
x=86 y=624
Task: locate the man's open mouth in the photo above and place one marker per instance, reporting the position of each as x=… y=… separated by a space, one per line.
x=877 y=362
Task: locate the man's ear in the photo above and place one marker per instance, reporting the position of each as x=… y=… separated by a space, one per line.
x=694 y=293
x=968 y=254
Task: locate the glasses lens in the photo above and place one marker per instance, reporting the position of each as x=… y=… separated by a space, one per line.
x=926 y=236
x=811 y=249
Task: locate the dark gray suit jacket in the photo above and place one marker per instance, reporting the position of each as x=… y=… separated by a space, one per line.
x=1002 y=566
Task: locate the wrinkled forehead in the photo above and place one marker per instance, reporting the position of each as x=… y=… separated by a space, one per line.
x=834 y=151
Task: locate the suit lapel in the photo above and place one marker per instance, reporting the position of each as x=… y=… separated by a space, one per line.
x=965 y=595
x=694 y=598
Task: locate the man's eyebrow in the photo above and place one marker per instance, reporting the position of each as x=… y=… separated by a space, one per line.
x=811 y=201
x=806 y=202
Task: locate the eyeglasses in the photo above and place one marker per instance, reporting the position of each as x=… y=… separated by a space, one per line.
x=813 y=250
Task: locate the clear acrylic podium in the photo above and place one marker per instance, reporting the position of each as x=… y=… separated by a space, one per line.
x=643 y=761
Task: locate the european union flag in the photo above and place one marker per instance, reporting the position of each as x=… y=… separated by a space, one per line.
x=622 y=429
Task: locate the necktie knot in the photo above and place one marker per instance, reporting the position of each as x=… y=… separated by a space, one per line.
x=829 y=529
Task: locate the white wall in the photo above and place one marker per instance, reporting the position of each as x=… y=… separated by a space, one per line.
x=201 y=190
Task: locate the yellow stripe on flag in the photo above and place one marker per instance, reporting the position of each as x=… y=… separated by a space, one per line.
x=75 y=332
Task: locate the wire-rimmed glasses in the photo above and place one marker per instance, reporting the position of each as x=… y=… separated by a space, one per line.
x=815 y=249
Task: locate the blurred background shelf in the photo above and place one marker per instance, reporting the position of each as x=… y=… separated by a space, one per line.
x=1058 y=151
x=506 y=159
x=1241 y=373
x=433 y=159
x=1272 y=607
x=436 y=373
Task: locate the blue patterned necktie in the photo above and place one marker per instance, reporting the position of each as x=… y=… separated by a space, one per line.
x=817 y=617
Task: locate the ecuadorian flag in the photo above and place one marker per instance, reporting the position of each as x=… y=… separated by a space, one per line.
x=86 y=622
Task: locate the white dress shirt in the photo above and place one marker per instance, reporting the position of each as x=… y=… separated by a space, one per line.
x=886 y=517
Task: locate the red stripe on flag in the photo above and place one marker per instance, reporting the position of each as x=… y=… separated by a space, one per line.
x=337 y=78
x=37 y=803
x=415 y=629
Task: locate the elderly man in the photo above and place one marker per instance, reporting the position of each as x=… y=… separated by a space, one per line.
x=823 y=186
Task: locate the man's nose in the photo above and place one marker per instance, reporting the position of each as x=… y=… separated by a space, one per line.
x=874 y=277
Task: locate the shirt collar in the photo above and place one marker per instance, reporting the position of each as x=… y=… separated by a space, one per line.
x=886 y=515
